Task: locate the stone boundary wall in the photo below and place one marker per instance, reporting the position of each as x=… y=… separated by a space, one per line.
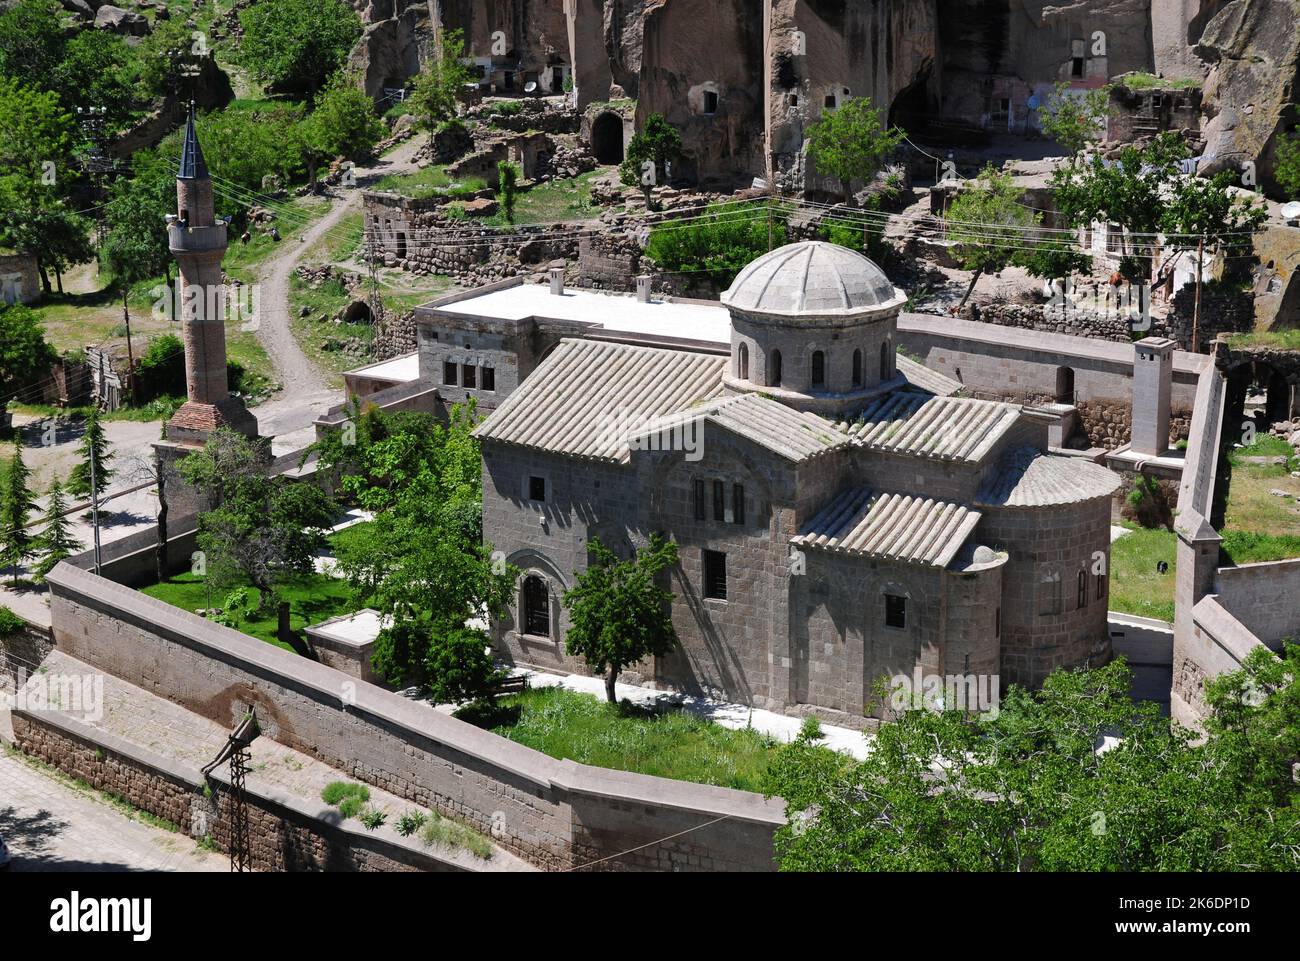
x=1264 y=597
x=1070 y=321
x=22 y=651
x=283 y=835
x=557 y=814
x=1219 y=643
x=1003 y=363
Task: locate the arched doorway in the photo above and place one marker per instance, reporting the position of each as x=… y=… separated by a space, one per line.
x=607 y=138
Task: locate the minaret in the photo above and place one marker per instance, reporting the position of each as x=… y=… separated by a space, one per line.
x=198 y=241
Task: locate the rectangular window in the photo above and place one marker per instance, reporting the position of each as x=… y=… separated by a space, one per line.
x=719 y=501
x=697 y=495
x=489 y=378
x=468 y=375
x=449 y=372
x=715 y=575
x=537 y=488
x=895 y=611
x=1082 y=599
x=1049 y=595
x=737 y=504
x=710 y=102
x=1101 y=586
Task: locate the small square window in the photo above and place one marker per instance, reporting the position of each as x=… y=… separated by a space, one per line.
x=710 y=101
x=829 y=103
x=715 y=575
x=489 y=378
x=537 y=488
x=449 y=372
x=469 y=375
x=895 y=611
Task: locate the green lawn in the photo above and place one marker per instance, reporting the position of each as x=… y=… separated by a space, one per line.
x=312 y=599
x=554 y=200
x=1135 y=586
x=428 y=182
x=677 y=745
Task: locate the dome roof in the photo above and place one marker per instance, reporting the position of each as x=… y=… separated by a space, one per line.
x=811 y=277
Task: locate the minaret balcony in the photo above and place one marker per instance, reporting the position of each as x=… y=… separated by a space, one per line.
x=196 y=239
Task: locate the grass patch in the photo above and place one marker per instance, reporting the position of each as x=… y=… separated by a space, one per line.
x=1135 y=585
x=1140 y=80
x=444 y=831
x=312 y=598
x=1248 y=547
x=430 y=182
x=1252 y=509
x=1285 y=339
x=553 y=200
x=677 y=745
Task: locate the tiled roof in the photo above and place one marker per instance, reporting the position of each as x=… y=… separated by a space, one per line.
x=585 y=397
x=893 y=526
x=794 y=435
x=923 y=378
x=1031 y=478
x=943 y=428
x=814 y=277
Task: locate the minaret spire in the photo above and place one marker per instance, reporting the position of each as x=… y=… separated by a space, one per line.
x=193 y=166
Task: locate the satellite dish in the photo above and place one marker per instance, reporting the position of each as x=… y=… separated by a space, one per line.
x=1291 y=211
x=530 y=86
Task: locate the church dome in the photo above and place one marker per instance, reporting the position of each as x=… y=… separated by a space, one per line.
x=812 y=277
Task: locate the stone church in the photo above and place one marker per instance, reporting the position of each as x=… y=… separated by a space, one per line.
x=843 y=515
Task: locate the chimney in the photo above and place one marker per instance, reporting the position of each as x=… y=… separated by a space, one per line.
x=643 y=289
x=1153 y=374
x=557 y=280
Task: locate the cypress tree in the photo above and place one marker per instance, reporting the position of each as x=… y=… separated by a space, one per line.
x=93 y=440
x=55 y=542
x=15 y=511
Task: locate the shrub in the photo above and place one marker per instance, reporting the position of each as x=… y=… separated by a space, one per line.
x=337 y=792
x=10 y=623
x=410 y=822
x=373 y=818
x=718 y=245
x=810 y=729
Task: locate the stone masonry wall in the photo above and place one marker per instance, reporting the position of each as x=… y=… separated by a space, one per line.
x=1263 y=597
x=530 y=803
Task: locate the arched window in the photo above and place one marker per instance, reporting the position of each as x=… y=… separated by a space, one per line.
x=537 y=607
x=818 y=369
x=774 y=370
x=886 y=365
x=857 y=368
x=742 y=362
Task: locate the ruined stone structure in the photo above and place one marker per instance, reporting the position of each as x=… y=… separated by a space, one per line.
x=20 y=281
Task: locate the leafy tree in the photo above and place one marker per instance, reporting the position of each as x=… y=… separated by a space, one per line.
x=507 y=188
x=55 y=541
x=94 y=445
x=343 y=124
x=1072 y=120
x=297 y=44
x=422 y=561
x=619 y=613
x=1028 y=789
x=165 y=55
x=718 y=244
x=1052 y=259
x=1209 y=207
x=45 y=226
x=98 y=69
x=32 y=41
x=25 y=356
x=135 y=244
x=988 y=224
x=657 y=143
x=433 y=97
x=852 y=143
x=16 y=507
x=265 y=530
x=1286 y=169
x=244 y=146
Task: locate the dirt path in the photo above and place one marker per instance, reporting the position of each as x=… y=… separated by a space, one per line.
x=306 y=391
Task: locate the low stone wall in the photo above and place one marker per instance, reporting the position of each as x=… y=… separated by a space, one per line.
x=1218 y=644
x=1264 y=597
x=22 y=651
x=1224 y=310
x=557 y=814
x=281 y=835
x=1064 y=319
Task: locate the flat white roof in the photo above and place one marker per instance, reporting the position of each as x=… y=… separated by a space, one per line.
x=399 y=369
x=620 y=313
x=353 y=629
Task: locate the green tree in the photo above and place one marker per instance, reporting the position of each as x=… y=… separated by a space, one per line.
x=25 y=356
x=649 y=153
x=165 y=57
x=1028 y=790
x=344 y=124
x=1075 y=120
x=1050 y=258
x=454 y=662
x=507 y=188
x=718 y=243
x=433 y=97
x=55 y=541
x=297 y=44
x=16 y=507
x=93 y=446
x=264 y=530
x=851 y=143
x=618 y=612
x=98 y=70
x=32 y=41
x=135 y=244
x=988 y=224
x=1286 y=169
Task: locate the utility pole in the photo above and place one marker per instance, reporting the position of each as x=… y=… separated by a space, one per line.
x=130 y=355
x=769 y=224
x=1196 y=313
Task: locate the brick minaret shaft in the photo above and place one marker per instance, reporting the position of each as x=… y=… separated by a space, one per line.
x=198 y=241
